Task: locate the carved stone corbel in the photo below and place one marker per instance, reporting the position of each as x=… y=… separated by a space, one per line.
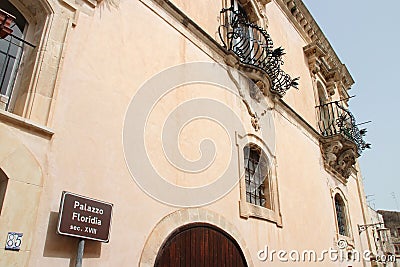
x=339 y=155
x=345 y=162
x=331 y=149
x=332 y=78
x=315 y=53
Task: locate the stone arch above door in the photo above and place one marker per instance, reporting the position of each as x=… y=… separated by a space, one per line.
x=17 y=161
x=183 y=217
x=200 y=244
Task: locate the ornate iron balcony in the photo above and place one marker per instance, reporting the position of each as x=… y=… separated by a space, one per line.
x=334 y=119
x=254 y=47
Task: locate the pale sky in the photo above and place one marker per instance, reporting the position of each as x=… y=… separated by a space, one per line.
x=365 y=35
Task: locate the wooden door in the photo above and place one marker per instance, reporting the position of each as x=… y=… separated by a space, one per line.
x=200 y=245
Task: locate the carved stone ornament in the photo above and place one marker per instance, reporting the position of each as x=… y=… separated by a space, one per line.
x=314 y=52
x=113 y=3
x=339 y=156
x=264 y=2
x=255 y=10
x=317 y=58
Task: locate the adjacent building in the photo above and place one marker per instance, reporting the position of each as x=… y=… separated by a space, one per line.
x=392 y=222
x=380 y=236
x=220 y=131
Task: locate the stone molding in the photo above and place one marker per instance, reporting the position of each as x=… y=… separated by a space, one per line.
x=303 y=21
x=25 y=124
x=24 y=185
x=316 y=55
x=114 y=3
x=256 y=11
x=334 y=78
x=49 y=24
x=350 y=238
x=247 y=210
x=85 y=6
x=167 y=225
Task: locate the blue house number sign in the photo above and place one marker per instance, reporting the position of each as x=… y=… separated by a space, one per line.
x=13 y=241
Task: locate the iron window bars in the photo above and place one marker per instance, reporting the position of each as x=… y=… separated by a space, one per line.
x=254 y=47
x=341 y=216
x=335 y=119
x=256 y=180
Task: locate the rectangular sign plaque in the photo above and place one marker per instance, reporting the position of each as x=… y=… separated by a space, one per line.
x=84 y=217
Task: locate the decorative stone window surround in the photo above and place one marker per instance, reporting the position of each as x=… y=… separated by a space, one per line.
x=247 y=209
x=339 y=154
x=255 y=10
x=49 y=23
x=319 y=68
x=335 y=79
x=349 y=239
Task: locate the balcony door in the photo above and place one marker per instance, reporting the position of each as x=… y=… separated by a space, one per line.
x=243 y=45
x=324 y=111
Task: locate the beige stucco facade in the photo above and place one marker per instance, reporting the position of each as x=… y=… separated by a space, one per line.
x=66 y=133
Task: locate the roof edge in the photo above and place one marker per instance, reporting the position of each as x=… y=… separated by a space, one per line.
x=304 y=22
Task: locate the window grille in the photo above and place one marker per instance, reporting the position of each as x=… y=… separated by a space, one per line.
x=341 y=215
x=256 y=176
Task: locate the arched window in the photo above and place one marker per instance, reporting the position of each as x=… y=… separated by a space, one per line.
x=3 y=188
x=341 y=216
x=256 y=176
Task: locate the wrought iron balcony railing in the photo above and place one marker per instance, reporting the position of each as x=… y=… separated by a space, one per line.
x=254 y=47
x=335 y=119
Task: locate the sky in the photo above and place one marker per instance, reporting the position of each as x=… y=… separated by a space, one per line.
x=365 y=36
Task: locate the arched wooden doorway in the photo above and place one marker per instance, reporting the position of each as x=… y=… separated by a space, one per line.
x=200 y=245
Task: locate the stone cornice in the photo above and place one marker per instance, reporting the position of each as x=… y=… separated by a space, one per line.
x=303 y=21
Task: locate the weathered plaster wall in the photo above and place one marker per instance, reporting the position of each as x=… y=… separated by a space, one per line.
x=108 y=56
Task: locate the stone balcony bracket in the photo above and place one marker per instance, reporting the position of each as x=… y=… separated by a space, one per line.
x=339 y=155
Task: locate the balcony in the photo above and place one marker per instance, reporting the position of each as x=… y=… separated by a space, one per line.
x=342 y=141
x=253 y=47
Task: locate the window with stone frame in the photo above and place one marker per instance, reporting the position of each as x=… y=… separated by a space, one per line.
x=257 y=176
x=341 y=219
